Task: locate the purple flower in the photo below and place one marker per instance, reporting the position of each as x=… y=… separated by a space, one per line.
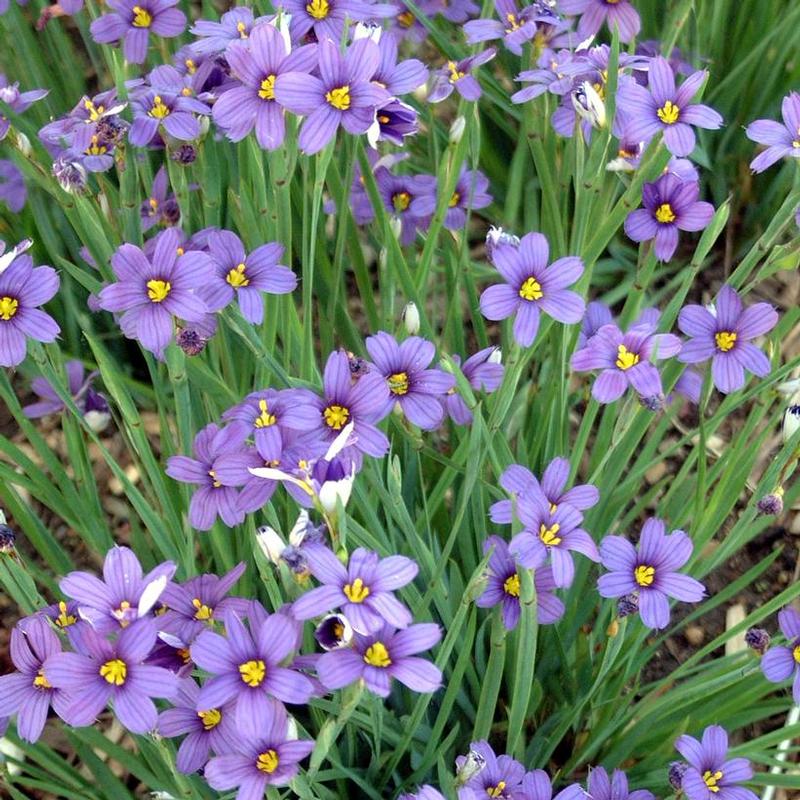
x=458 y=75
x=503 y=587
x=725 y=337
x=264 y=756
x=670 y=205
x=258 y=62
x=625 y=360
x=537 y=785
x=490 y=775
x=245 y=277
x=131 y=22
x=651 y=572
x=411 y=199
x=615 y=13
x=214 y=37
x=364 y=590
x=27 y=692
x=50 y=402
x=384 y=655
x=601 y=787
x=484 y=371
x=208 y=731
x=597 y=315
x=102 y=671
x=550 y=77
x=245 y=666
x=327 y=18
x=125 y=593
x=393 y=122
x=12 y=186
x=410 y=381
x=160 y=207
x=711 y=775
x=23 y=288
x=362 y=402
x=151 y=292
x=662 y=107
x=781 y=140
x=532 y=286
x=471 y=192
x=213 y=498
x=18 y=101
x=519 y=482
x=426 y=792
x=397 y=78
x=783 y=662
x=514 y=27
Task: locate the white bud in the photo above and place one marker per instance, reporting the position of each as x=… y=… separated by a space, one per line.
x=104 y=205
x=590 y=105
x=496 y=356
x=396 y=224
x=9 y=754
x=330 y=491
x=298 y=531
x=97 y=420
x=270 y=542
x=363 y=31
x=791 y=421
x=473 y=764
x=787 y=388
x=374 y=133
x=23 y=143
x=411 y=318
x=292 y=733
x=205 y=123
x=457 y=129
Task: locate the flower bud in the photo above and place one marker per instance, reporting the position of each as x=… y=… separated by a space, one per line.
x=334 y=632
x=396 y=225
x=411 y=318
x=457 y=129
x=496 y=356
x=270 y=542
x=70 y=175
x=627 y=604
x=185 y=154
x=330 y=491
x=190 y=341
x=8 y=539
x=791 y=421
x=757 y=639
x=23 y=143
x=771 y=503
x=497 y=236
x=589 y=105
x=677 y=769
x=473 y=763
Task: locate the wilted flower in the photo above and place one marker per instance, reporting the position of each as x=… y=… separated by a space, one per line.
x=757 y=639
x=771 y=503
x=160 y=207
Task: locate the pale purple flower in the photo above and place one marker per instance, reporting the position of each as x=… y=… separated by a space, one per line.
x=601 y=786
x=18 y=101
x=725 y=336
x=426 y=792
x=537 y=785
x=484 y=372
x=782 y=140
x=651 y=573
x=457 y=75
x=409 y=198
x=783 y=661
x=213 y=37
x=497 y=776
x=615 y=13
x=471 y=192
x=515 y=26
x=12 y=186
x=50 y=402
x=397 y=78
x=161 y=207
x=532 y=287
x=326 y=18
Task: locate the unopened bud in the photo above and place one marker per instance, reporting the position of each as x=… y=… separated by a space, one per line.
x=589 y=105
x=496 y=356
x=472 y=764
x=23 y=143
x=497 y=236
x=457 y=129
x=627 y=604
x=7 y=539
x=411 y=318
x=791 y=421
x=771 y=503
x=70 y=175
x=757 y=639
x=677 y=769
x=396 y=224
x=270 y=542
x=334 y=632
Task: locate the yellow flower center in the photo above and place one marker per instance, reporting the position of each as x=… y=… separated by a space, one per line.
x=216 y=482
x=549 y=535
x=455 y=73
x=267 y=90
x=644 y=575
x=531 y=289
x=95 y=112
x=141 y=17
x=398 y=383
x=268 y=762
x=339 y=98
x=406 y=19
x=796 y=143
x=496 y=791
x=211 y=718
x=669 y=113
x=159 y=110
x=377 y=655
x=186 y=91
x=401 y=201
x=665 y=214
x=356 y=592
x=191 y=67
x=511 y=585
x=338 y=630
x=242 y=29
x=64 y=620
x=184 y=654
x=115 y=671
x=237 y=277
x=513 y=25
x=95 y=148
x=796 y=653
x=203 y=612
x=40 y=682
x=157 y=290
x=626 y=359
x=253 y=672
x=725 y=340
x=336 y=417
x=120 y=613
x=264 y=419
x=318 y=9
x=712 y=779
x=8 y=307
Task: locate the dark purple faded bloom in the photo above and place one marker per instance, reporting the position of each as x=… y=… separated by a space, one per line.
x=532 y=286
x=471 y=192
x=625 y=360
x=487 y=775
x=615 y=13
x=457 y=75
x=161 y=207
x=246 y=666
x=670 y=205
x=411 y=382
x=213 y=498
x=258 y=62
x=652 y=572
x=246 y=277
x=393 y=122
x=12 y=186
x=725 y=337
x=151 y=292
x=342 y=95
x=782 y=140
x=18 y=101
x=519 y=481
x=264 y=755
x=615 y=787
x=384 y=655
x=50 y=402
x=783 y=662
x=213 y=38
x=503 y=587
x=102 y=671
x=364 y=590
x=711 y=775
x=484 y=371
x=27 y=692
x=207 y=731
x=124 y=594
x=23 y=288
x=132 y=21
x=663 y=107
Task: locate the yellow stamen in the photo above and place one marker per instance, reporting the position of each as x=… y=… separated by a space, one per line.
x=141 y=17
x=157 y=290
x=356 y=592
x=406 y=19
x=531 y=289
x=95 y=112
x=237 y=277
x=186 y=91
x=669 y=113
x=318 y=8
x=455 y=73
x=712 y=779
x=264 y=419
x=338 y=630
x=95 y=148
x=253 y=672
x=8 y=307
x=665 y=214
x=644 y=575
x=115 y=671
x=725 y=340
x=402 y=200
x=796 y=653
x=40 y=682
x=216 y=482
x=159 y=110
x=64 y=620
x=203 y=612
x=242 y=29
x=511 y=585
x=211 y=718
x=184 y=654
x=549 y=536
x=496 y=791
x=398 y=383
x=267 y=90
x=153 y=203
x=339 y=98
x=454 y=200
x=336 y=417
x=626 y=359
x=268 y=762
x=191 y=67
x=513 y=25
x=377 y=656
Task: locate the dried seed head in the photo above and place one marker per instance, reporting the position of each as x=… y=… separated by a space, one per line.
x=757 y=639
x=627 y=604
